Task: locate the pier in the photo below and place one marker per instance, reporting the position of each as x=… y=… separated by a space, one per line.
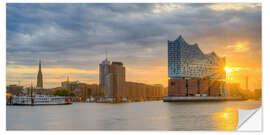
x=201 y=99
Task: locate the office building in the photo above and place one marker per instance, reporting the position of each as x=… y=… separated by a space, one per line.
x=113 y=84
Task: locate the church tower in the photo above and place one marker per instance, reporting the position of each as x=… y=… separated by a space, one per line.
x=39 y=77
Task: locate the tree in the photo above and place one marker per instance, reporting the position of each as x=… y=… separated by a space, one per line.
x=72 y=94
x=63 y=92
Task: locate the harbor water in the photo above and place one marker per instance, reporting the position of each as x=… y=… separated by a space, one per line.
x=151 y=115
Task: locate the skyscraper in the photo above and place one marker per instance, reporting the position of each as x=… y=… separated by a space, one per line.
x=111 y=77
x=113 y=84
x=119 y=77
x=104 y=69
x=39 y=77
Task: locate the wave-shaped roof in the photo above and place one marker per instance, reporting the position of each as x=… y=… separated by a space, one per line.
x=193 y=53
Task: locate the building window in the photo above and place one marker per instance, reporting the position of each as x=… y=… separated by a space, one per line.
x=172 y=83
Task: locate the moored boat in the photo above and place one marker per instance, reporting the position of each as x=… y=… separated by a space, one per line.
x=40 y=100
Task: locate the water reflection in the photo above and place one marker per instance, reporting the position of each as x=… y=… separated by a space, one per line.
x=227 y=119
x=132 y=116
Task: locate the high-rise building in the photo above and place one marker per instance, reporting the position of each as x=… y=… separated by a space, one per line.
x=188 y=61
x=113 y=84
x=118 y=72
x=104 y=69
x=111 y=77
x=39 y=77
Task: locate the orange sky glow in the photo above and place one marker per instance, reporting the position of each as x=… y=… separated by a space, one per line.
x=137 y=37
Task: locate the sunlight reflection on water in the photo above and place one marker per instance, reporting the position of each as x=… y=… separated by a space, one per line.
x=156 y=115
x=226 y=120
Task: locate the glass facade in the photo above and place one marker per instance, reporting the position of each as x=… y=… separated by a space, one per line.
x=188 y=61
x=174 y=56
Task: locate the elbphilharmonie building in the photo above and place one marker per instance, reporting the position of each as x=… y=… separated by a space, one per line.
x=188 y=61
x=193 y=73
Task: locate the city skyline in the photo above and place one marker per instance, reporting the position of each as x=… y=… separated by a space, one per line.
x=71 y=40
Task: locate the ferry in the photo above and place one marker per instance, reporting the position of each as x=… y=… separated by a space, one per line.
x=40 y=100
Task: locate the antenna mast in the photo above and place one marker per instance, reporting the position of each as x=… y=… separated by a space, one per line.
x=106 y=54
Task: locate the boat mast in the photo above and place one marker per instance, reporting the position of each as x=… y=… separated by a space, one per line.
x=32 y=99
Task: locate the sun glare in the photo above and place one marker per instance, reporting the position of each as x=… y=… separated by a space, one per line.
x=231 y=69
x=226 y=69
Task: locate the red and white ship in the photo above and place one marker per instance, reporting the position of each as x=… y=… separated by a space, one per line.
x=40 y=100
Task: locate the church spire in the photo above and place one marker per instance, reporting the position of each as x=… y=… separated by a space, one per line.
x=67 y=78
x=39 y=76
x=39 y=69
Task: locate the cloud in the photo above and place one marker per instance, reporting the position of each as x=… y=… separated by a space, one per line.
x=232 y=6
x=239 y=47
x=75 y=36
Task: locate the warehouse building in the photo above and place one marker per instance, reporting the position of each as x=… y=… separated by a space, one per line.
x=114 y=86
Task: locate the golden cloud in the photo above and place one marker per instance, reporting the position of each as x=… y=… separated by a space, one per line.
x=239 y=47
x=232 y=6
x=56 y=71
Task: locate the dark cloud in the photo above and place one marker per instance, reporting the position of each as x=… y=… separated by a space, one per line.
x=76 y=35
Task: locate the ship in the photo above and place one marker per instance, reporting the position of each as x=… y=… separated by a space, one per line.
x=40 y=100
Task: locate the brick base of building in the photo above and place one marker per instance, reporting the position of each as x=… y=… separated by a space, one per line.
x=194 y=87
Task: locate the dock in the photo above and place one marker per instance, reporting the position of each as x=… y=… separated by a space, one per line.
x=201 y=99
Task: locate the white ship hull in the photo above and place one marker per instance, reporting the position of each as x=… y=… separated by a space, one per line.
x=40 y=100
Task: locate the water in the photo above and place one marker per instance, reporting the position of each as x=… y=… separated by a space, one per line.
x=155 y=115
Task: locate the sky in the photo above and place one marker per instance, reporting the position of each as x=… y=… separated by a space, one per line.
x=71 y=39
